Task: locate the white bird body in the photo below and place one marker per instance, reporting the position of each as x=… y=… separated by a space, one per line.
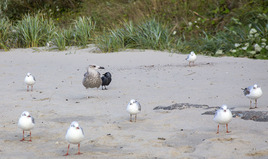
x=133 y=108
x=223 y=116
x=26 y=123
x=29 y=80
x=253 y=93
x=74 y=135
x=191 y=58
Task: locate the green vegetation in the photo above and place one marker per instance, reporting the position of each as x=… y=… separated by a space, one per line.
x=147 y=35
x=217 y=28
x=34 y=31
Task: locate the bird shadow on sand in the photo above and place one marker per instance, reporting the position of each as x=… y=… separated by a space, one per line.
x=260 y=116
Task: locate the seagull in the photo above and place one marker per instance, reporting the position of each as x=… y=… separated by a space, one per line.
x=133 y=108
x=92 y=77
x=191 y=58
x=26 y=123
x=74 y=135
x=253 y=92
x=30 y=81
x=106 y=79
x=223 y=116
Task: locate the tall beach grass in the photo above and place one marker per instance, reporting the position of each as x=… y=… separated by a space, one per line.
x=5 y=34
x=34 y=31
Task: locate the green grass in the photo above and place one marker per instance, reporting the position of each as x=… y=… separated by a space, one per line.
x=5 y=34
x=149 y=34
x=34 y=31
x=206 y=27
x=60 y=41
x=84 y=31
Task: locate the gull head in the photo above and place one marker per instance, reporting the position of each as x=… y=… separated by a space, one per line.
x=25 y=113
x=192 y=53
x=95 y=67
x=29 y=74
x=132 y=101
x=75 y=124
x=255 y=86
x=224 y=107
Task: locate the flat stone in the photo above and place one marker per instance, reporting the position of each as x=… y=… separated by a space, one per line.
x=181 y=106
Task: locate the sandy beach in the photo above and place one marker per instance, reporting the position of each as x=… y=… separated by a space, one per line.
x=154 y=79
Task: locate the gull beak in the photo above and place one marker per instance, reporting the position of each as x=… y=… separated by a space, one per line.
x=29 y=116
x=77 y=127
x=224 y=110
x=101 y=67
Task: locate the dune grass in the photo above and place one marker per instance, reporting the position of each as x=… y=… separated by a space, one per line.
x=5 y=34
x=215 y=28
x=149 y=34
x=84 y=31
x=34 y=31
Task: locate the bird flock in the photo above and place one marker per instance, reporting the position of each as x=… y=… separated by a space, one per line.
x=93 y=79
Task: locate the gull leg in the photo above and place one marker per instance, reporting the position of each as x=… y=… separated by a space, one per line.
x=227 y=129
x=30 y=136
x=130 y=119
x=218 y=128
x=67 y=151
x=27 y=88
x=22 y=136
x=135 y=117
x=255 y=103
x=250 y=105
x=31 y=88
x=78 y=153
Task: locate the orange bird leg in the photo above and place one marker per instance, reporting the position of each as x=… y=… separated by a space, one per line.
x=250 y=105
x=255 y=103
x=218 y=128
x=22 y=136
x=30 y=136
x=227 y=129
x=78 y=153
x=67 y=151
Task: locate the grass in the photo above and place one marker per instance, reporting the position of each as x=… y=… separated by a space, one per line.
x=84 y=31
x=34 y=31
x=60 y=41
x=150 y=34
x=5 y=34
x=206 y=27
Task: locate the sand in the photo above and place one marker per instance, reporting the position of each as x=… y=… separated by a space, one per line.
x=154 y=79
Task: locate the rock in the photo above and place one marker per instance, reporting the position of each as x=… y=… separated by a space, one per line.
x=181 y=106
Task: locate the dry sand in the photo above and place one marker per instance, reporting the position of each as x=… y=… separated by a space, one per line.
x=151 y=77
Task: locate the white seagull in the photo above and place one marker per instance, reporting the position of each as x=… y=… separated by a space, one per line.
x=223 y=116
x=191 y=58
x=26 y=123
x=74 y=135
x=253 y=93
x=133 y=108
x=30 y=81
